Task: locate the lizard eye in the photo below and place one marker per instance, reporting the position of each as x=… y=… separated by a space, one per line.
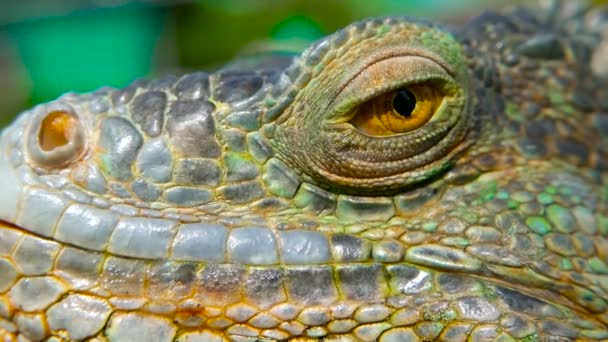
x=389 y=111
x=396 y=112
x=56 y=138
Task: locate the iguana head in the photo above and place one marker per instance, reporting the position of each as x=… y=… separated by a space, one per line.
x=395 y=163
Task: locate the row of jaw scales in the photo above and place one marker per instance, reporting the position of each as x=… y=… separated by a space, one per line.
x=184 y=220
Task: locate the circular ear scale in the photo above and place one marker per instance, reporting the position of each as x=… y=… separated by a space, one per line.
x=56 y=130
x=56 y=138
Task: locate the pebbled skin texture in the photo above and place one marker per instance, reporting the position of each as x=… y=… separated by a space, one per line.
x=241 y=205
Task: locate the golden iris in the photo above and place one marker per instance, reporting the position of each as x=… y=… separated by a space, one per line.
x=399 y=111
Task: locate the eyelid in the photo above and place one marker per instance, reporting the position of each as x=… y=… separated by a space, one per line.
x=383 y=76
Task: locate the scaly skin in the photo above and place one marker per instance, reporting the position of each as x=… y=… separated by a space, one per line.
x=245 y=204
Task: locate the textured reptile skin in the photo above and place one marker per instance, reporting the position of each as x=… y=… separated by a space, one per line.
x=247 y=204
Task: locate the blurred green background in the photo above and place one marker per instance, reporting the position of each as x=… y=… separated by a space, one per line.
x=50 y=47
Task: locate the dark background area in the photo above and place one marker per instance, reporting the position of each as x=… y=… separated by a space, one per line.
x=51 y=47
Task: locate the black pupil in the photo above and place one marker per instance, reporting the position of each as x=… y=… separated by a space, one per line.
x=404 y=103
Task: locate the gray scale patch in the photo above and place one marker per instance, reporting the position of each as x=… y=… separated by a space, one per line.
x=145 y=191
x=155 y=161
x=314 y=316
x=275 y=334
x=118 y=190
x=285 y=311
x=443 y=257
x=142 y=237
x=294 y=327
x=560 y=243
x=242 y=192
x=8 y=240
x=494 y=254
x=123 y=276
x=315 y=199
x=405 y=316
x=242 y=331
x=406 y=279
x=361 y=282
x=388 y=251
x=220 y=284
x=16 y=158
x=54 y=181
x=316 y=332
x=191 y=128
x=246 y=120
x=453 y=283
x=239 y=168
x=86 y=227
x=99 y=104
x=234 y=86
x=171 y=280
x=193 y=86
x=197 y=172
x=477 y=309
x=264 y=287
x=252 y=246
x=31 y=326
x=35 y=256
x=258 y=147
x=517 y=326
x=241 y=312
x=163 y=83
x=147 y=111
x=554 y=327
x=280 y=179
x=234 y=139
x=486 y=332
x=186 y=196
x=372 y=313
x=456 y=331
x=8 y=274
x=38 y=220
x=81 y=316
x=349 y=248
x=343 y=310
x=95 y=181
x=429 y=330
x=399 y=335
x=75 y=195
x=303 y=247
x=480 y=234
x=520 y=302
x=11 y=189
x=125 y=209
x=414 y=200
x=355 y=208
x=311 y=285
x=78 y=267
x=371 y=332
x=264 y=321
x=119 y=143
x=268 y=204
x=584 y=244
x=127 y=303
x=121 y=97
x=127 y=327
x=341 y=325
x=200 y=242
x=35 y=293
